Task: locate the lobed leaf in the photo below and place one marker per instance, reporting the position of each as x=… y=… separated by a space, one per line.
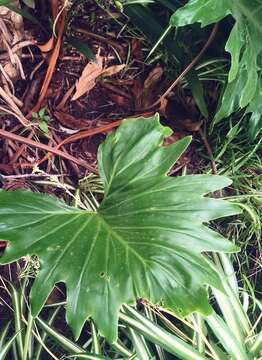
x=145 y=241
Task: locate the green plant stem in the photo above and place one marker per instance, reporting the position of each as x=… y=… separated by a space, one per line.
x=117 y=345
x=95 y=341
x=141 y=349
x=256 y=348
x=165 y=33
x=17 y=317
x=199 y=335
x=5 y=348
x=227 y=337
x=62 y=340
x=27 y=336
x=159 y=336
x=43 y=337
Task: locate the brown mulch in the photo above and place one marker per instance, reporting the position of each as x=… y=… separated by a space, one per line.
x=122 y=95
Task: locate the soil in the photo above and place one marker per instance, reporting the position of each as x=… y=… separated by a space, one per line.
x=112 y=98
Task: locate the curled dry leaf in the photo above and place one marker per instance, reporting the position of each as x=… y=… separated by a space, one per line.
x=90 y=75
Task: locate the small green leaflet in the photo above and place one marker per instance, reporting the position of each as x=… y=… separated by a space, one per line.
x=146 y=239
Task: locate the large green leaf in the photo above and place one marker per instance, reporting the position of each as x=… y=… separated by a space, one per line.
x=203 y=11
x=145 y=240
x=244 y=45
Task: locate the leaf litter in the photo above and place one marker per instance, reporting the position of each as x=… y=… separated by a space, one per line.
x=92 y=72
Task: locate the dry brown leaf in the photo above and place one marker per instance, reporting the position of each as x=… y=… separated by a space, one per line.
x=91 y=73
x=151 y=86
x=87 y=80
x=112 y=70
x=71 y=122
x=153 y=77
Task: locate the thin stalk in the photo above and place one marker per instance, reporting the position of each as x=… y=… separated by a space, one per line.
x=123 y=350
x=227 y=337
x=229 y=272
x=230 y=306
x=27 y=336
x=141 y=348
x=4 y=334
x=14 y=351
x=40 y=346
x=5 y=348
x=62 y=340
x=199 y=324
x=165 y=33
x=153 y=317
x=256 y=348
x=17 y=318
x=95 y=341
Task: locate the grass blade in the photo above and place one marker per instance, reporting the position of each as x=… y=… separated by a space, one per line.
x=159 y=336
x=142 y=350
x=257 y=346
x=5 y=348
x=67 y=344
x=27 y=336
x=96 y=349
x=227 y=338
x=17 y=317
x=4 y=334
x=44 y=335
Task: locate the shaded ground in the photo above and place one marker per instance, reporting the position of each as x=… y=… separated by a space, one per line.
x=114 y=97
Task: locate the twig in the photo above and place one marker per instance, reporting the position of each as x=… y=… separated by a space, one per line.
x=211 y=156
x=98 y=37
x=21 y=139
x=84 y=134
x=185 y=71
x=209 y=151
x=26 y=176
x=15 y=110
x=51 y=67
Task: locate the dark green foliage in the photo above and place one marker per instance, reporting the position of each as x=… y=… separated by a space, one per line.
x=145 y=240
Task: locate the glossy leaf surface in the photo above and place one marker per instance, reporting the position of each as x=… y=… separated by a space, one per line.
x=203 y=11
x=145 y=240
